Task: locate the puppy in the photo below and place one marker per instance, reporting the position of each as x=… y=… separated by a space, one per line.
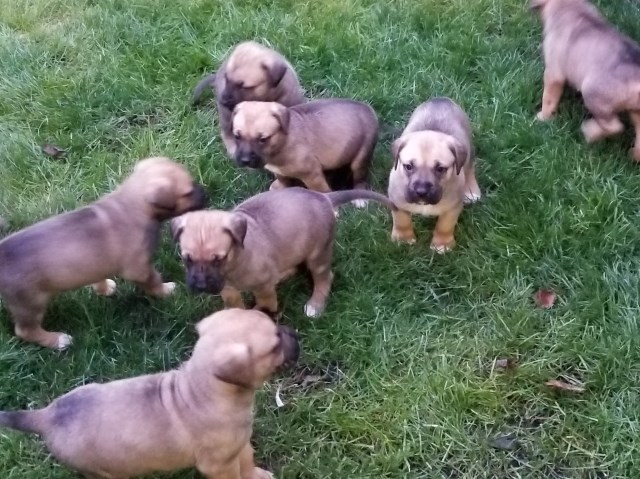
x=303 y=141
x=251 y=72
x=199 y=415
x=582 y=49
x=116 y=235
x=433 y=172
x=261 y=242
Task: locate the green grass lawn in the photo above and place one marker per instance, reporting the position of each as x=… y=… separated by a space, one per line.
x=409 y=337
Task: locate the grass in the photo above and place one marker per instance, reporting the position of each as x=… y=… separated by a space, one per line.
x=410 y=336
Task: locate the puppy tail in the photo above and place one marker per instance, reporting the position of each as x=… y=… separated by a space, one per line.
x=25 y=421
x=338 y=198
x=206 y=82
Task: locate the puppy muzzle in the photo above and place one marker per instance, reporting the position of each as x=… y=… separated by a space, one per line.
x=249 y=159
x=201 y=280
x=424 y=193
x=198 y=198
x=290 y=346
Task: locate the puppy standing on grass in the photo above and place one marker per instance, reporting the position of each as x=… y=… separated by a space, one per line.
x=116 y=235
x=261 y=242
x=582 y=49
x=251 y=72
x=303 y=141
x=199 y=415
x=433 y=172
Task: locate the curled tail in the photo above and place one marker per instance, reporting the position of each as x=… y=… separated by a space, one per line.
x=338 y=198
x=207 y=81
x=25 y=421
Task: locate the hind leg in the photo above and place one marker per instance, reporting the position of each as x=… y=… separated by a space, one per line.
x=105 y=288
x=320 y=267
x=27 y=314
x=360 y=170
x=551 y=94
x=151 y=282
x=635 y=119
x=601 y=105
x=267 y=300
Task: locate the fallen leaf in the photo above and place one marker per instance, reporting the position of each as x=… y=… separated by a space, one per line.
x=565 y=386
x=505 y=363
x=53 y=151
x=545 y=298
x=505 y=442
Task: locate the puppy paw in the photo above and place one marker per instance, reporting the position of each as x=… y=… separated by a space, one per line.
x=167 y=289
x=312 y=311
x=105 y=288
x=64 y=341
x=635 y=154
x=259 y=473
x=277 y=185
x=542 y=116
x=360 y=203
x=336 y=212
x=398 y=237
x=442 y=248
x=471 y=197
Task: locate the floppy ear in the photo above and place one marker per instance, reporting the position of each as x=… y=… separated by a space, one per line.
x=281 y=113
x=396 y=148
x=232 y=364
x=460 y=153
x=276 y=72
x=176 y=227
x=161 y=195
x=236 y=226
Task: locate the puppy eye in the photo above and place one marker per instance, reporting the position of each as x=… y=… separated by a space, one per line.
x=408 y=166
x=263 y=139
x=217 y=260
x=236 y=135
x=441 y=169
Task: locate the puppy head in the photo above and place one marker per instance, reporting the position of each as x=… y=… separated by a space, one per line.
x=244 y=347
x=209 y=241
x=166 y=188
x=253 y=72
x=428 y=160
x=538 y=5
x=260 y=129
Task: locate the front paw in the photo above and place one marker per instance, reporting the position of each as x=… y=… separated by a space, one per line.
x=259 y=473
x=166 y=289
x=408 y=237
x=442 y=246
x=544 y=116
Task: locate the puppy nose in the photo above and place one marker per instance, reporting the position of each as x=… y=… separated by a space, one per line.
x=422 y=188
x=291 y=345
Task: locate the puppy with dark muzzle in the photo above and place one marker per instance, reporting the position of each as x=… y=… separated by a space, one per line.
x=304 y=141
x=198 y=415
x=433 y=172
x=582 y=49
x=115 y=236
x=251 y=72
x=261 y=242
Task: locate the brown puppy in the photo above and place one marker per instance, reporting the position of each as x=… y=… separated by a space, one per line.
x=116 y=235
x=251 y=72
x=303 y=141
x=433 y=172
x=199 y=415
x=261 y=242
x=582 y=49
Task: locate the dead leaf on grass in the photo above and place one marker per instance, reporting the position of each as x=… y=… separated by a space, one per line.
x=565 y=386
x=545 y=298
x=53 y=151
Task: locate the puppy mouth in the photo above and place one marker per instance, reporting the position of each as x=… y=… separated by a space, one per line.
x=204 y=284
x=423 y=200
x=249 y=160
x=290 y=346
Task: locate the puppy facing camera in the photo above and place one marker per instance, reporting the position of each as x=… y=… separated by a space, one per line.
x=114 y=236
x=433 y=173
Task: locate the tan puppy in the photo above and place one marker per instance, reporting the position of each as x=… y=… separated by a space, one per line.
x=116 y=235
x=303 y=141
x=261 y=242
x=199 y=415
x=433 y=172
x=582 y=49
x=251 y=72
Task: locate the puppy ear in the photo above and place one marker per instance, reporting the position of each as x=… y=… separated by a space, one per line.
x=232 y=364
x=281 y=113
x=176 y=227
x=161 y=195
x=396 y=148
x=276 y=72
x=460 y=153
x=237 y=227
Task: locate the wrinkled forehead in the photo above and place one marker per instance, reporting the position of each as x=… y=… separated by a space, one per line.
x=252 y=118
x=206 y=236
x=427 y=149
